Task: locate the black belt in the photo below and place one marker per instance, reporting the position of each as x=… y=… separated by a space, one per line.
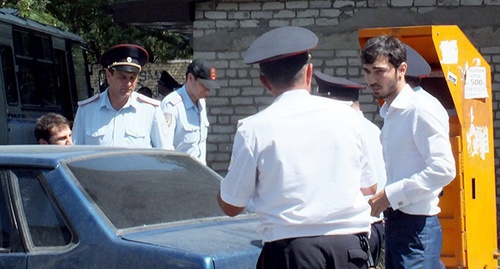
x=365 y=246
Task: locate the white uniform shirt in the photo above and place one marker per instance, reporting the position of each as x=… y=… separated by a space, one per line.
x=301 y=161
x=139 y=123
x=417 y=153
x=371 y=134
x=187 y=123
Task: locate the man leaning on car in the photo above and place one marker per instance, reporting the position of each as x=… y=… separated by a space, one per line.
x=306 y=194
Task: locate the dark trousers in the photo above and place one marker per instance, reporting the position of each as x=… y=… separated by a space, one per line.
x=329 y=251
x=412 y=241
x=377 y=241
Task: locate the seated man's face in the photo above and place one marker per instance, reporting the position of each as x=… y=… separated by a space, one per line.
x=60 y=136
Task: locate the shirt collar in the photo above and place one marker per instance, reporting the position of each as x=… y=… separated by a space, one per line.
x=188 y=103
x=403 y=100
x=291 y=94
x=104 y=100
x=417 y=88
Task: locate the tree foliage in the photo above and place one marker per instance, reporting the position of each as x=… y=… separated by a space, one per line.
x=92 y=20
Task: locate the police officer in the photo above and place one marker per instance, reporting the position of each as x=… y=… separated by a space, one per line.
x=119 y=116
x=167 y=84
x=301 y=162
x=347 y=91
x=185 y=110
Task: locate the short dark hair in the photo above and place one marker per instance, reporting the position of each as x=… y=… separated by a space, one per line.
x=46 y=123
x=146 y=91
x=384 y=46
x=285 y=72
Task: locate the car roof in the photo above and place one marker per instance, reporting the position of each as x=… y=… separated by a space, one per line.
x=51 y=155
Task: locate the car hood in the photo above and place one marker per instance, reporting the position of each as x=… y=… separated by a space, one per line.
x=226 y=242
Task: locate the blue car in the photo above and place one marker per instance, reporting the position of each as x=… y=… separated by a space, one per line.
x=101 y=207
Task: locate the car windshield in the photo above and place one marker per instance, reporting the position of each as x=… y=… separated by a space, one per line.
x=142 y=189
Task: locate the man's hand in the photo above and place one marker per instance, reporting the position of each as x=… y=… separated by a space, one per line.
x=379 y=203
x=228 y=209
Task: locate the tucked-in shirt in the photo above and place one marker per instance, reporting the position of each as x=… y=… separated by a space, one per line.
x=302 y=161
x=138 y=124
x=417 y=152
x=187 y=123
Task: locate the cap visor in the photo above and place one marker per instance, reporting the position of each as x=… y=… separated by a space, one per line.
x=211 y=84
x=126 y=68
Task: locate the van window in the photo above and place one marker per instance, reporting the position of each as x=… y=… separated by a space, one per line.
x=80 y=67
x=36 y=70
x=9 y=74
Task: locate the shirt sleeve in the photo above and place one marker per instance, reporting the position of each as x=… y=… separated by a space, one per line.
x=372 y=139
x=159 y=131
x=169 y=117
x=368 y=177
x=239 y=184
x=78 y=132
x=433 y=144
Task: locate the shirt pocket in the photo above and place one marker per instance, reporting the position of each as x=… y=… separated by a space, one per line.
x=136 y=133
x=191 y=134
x=96 y=136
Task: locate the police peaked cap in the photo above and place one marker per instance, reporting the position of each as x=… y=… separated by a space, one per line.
x=125 y=57
x=417 y=65
x=280 y=43
x=337 y=87
x=168 y=81
x=205 y=72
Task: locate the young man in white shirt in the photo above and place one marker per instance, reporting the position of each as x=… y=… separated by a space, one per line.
x=418 y=157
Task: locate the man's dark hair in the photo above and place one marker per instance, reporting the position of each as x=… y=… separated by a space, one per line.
x=45 y=123
x=384 y=46
x=285 y=72
x=146 y=91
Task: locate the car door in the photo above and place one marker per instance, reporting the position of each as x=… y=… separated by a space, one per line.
x=45 y=234
x=12 y=253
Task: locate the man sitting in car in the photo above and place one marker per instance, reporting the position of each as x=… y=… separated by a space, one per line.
x=53 y=129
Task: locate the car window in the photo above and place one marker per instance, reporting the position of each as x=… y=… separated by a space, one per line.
x=45 y=224
x=135 y=190
x=5 y=218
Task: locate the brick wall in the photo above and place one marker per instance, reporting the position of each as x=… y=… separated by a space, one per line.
x=223 y=30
